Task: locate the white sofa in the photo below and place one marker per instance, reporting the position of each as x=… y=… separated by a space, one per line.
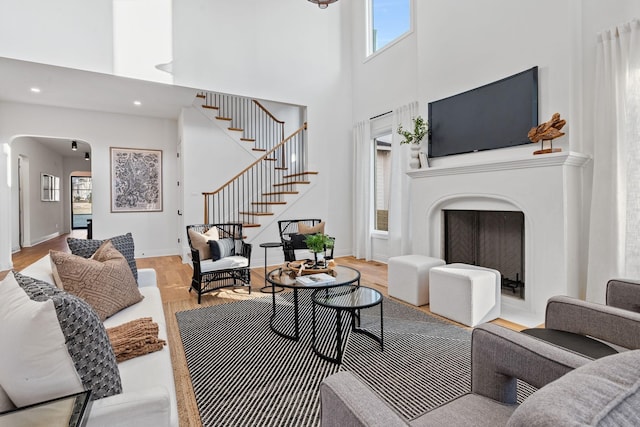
x=148 y=395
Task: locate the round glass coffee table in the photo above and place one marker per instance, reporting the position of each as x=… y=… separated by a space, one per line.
x=343 y=275
x=350 y=299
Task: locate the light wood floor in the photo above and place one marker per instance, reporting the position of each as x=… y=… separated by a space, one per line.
x=174 y=278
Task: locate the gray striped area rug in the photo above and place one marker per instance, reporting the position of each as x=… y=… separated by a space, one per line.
x=244 y=374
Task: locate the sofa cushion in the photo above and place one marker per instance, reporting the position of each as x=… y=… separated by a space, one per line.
x=605 y=392
x=104 y=281
x=124 y=244
x=52 y=344
x=222 y=248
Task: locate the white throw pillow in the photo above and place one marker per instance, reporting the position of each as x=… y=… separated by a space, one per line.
x=36 y=365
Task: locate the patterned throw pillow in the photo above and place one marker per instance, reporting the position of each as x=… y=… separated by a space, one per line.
x=124 y=244
x=104 y=281
x=222 y=248
x=52 y=343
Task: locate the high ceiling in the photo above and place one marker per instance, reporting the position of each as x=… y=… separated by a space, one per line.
x=65 y=87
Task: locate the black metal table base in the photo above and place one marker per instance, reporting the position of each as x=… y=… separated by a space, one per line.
x=296 y=319
x=355 y=314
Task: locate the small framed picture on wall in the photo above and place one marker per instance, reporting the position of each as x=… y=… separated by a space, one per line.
x=136 y=180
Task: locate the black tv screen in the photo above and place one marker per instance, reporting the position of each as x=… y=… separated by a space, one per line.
x=496 y=115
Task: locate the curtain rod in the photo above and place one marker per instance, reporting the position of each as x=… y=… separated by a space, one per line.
x=380 y=115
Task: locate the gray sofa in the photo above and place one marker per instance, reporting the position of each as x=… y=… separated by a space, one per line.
x=603 y=391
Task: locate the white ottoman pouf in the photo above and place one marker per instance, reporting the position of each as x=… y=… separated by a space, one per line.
x=409 y=277
x=465 y=293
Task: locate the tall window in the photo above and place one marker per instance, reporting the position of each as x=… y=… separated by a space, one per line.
x=80 y=201
x=382 y=146
x=388 y=21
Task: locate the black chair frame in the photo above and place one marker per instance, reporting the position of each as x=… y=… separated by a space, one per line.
x=211 y=281
x=287 y=229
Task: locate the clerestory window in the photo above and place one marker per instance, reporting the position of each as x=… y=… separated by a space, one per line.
x=389 y=20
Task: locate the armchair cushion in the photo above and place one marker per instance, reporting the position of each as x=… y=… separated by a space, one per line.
x=311 y=229
x=605 y=392
x=200 y=241
x=226 y=263
x=222 y=248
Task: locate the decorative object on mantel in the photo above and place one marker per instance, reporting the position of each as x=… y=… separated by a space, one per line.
x=547 y=131
x=420 y=129
x=322 y=4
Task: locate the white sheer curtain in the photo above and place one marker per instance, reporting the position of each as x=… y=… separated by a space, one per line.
x=362 y=188
x=400 y=184
x=614 y=235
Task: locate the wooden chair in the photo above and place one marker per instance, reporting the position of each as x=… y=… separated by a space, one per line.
x=291 y=238
x=231 y=270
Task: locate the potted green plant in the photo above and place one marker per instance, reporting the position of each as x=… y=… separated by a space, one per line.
x=420 y=129
x=317 y=243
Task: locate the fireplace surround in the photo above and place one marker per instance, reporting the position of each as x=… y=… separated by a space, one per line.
x=546 y=189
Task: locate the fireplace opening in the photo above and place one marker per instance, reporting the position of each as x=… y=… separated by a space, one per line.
x=493 y=239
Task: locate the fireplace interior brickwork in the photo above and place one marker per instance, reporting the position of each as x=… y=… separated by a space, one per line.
x=493 y=239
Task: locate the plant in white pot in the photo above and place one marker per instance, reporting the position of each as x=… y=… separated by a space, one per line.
x=414 y=138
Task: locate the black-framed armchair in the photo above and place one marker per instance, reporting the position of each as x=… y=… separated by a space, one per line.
x=221 y=258
x=292 y=233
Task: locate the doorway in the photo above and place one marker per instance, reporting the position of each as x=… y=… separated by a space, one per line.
x=81 y=206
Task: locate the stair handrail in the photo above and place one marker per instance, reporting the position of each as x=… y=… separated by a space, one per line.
x=284 y=141
x=263 y=108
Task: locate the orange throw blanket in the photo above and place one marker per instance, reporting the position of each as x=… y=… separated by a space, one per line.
x=135 y=338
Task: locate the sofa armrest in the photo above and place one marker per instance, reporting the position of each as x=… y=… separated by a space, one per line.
x=611 y=324
x=151 y=407
x=347 y=401
x=147 y=277
x=500 y=356
x=623 y=293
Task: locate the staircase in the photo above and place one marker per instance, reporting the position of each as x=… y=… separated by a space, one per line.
x=276 y=178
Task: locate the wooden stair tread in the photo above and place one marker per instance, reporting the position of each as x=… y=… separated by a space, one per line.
x=250 y=225
x=292 y=182
x=270 y=159
x=211 y=107
x=248 y=139
x=300 y=174
x=236 y=129
x=259 y=149
x=281 y=168
x=224 y=118
x=200 y=95
x=268 y=203
x=279 y=193
x=256 y=213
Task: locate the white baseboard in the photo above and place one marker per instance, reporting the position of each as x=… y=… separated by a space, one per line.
x=45 y=238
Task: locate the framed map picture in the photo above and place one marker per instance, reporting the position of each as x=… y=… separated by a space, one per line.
x=136 y=180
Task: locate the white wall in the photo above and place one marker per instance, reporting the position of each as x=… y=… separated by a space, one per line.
x=69 y=33
x=45 y=219
x=154 y=233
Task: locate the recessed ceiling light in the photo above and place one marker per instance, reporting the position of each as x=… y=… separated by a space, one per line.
x=35 y=89
x=137 y=103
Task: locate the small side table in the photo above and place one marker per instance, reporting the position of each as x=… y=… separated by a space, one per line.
x=350 y=299
x=269 y=288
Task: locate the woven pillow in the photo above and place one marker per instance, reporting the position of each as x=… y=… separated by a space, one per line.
x=222 y=248
x=124 y=244
x=52 y=344
x=104 y=281
x=307 y=229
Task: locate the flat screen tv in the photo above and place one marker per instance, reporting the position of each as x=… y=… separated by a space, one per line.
x=496 y=115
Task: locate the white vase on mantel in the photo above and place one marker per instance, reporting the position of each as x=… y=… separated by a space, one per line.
x=414 y=156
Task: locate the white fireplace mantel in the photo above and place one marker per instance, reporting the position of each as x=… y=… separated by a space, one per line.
x=546 y=188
